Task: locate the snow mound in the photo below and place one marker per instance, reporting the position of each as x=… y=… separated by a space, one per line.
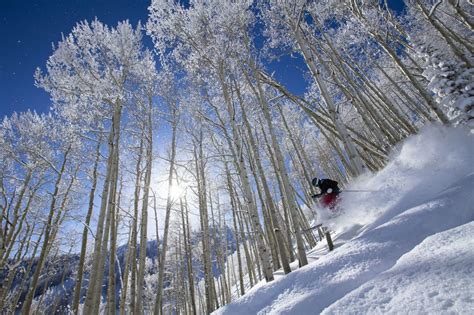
x=426 y=189
x=433 y=278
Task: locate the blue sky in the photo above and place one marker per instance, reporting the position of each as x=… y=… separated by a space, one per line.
x=28 y=29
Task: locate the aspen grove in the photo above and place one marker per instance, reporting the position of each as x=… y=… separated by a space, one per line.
x=171 y=179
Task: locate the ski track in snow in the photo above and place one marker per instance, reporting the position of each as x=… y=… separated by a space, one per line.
x=380 y=270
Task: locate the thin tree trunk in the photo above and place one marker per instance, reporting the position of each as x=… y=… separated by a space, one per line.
x=85 y=232
x=286 y=207
x=169 y=203
x=15 y=305
x=8 y=241
x=354 y=156
x=444 y=34
x=134 y=237
x=47 y=233
x=6 y=284
x=91 y=298
x=187 y=248
x=211 y=298
x=128 y=260
x=111 y=291
x=270 y=234
x=253 y=212
x=423 y=92
x=236 y=231
x=269 y=202
x=111 y=204
x=144 y=217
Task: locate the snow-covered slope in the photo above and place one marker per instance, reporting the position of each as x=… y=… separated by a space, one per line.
x=434 y=277
x=406 y=248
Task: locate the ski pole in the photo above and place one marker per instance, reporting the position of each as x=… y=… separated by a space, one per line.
x=357 y=190
x=313 y=227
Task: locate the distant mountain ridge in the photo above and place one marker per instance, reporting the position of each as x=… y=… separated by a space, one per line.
x=58 y=284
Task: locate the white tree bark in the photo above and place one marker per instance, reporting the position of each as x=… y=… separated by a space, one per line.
x=169 y=203
x=263 y=251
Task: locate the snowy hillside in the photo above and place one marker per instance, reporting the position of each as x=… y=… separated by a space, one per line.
x=405 y=247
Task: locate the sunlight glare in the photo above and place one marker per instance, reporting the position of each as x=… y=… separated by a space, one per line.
x=176 y=191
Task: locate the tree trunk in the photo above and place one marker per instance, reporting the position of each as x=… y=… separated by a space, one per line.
x=7 y=243
x=269 y=202
x=354 y=156
x=236 y=231
x=134 y=237
x=444 y=34
x=47 y=233
x=85 y=232
x=253 y=212
x=169 y=203
x=189 y=262
x=423 y=92
x=91 y=298
x=144 y=217
x=126 y=269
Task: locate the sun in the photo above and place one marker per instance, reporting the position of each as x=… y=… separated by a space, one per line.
x=177 y=191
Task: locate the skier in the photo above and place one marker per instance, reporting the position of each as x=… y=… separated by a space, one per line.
x=329 y=191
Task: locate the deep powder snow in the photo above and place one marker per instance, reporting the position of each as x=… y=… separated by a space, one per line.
x=404 y=248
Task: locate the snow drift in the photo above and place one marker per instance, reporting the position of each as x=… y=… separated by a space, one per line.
x=405 y=248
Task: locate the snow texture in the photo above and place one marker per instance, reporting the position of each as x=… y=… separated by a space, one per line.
x=406 y=248
x=435 y=277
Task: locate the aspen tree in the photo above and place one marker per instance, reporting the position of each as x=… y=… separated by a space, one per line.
x=144 y=216
x=281 y=169
x=269 y=202
x=47 y=234
x=169 y=203
x=187 y=246
x=431 y=18
x=126 y=272
x=85 y=232
x=230 y=190
x=292 y=19
x=355 y=9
